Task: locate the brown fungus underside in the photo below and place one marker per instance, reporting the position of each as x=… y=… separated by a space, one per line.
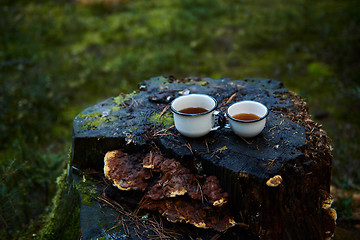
x=177 y=194
x=123 y=171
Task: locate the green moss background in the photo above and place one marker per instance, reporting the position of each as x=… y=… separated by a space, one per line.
x=58 y=57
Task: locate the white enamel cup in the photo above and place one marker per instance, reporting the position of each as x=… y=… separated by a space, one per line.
x=200 y=124
x=247 y=128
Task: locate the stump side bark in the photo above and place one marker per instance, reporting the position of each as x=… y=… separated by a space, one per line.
x=291 y=145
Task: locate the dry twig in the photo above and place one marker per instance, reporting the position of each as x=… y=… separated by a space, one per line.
x=271 y=162
x=164 y=110
x=189 y=147
x=230 y=98
x=162 y=132
x=245 y=140
x=207 y=146
x=201 y=192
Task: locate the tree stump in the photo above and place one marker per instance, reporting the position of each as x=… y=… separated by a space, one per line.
x=278 y=182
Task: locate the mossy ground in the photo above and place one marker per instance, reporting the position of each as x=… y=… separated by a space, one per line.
x=58 y=57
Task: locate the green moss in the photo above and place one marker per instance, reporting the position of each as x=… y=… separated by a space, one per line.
x=93 y=120
x=166 y=119
x=87 y=192
x=220 y=150
x=163 y=80
x=90 y=115
x=92 y=125
x=200 y=83
x=115 y=108
x=133 y=128
x=63 y=222
x=123 y=98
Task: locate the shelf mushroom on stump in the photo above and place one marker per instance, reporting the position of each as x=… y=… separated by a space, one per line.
x=277 y=182
x=126 y=172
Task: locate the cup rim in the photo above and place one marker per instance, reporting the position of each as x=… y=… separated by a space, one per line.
x=196 y=114
x=245 y=121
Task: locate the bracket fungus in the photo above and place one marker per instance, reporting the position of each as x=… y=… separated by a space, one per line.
x=274 y=181
x=122 y=170
x=213 y=191
x=192 y=211
x=201 y=198
x=329 y=214
x=326 y=199
x=329 y=220
x=153 y=161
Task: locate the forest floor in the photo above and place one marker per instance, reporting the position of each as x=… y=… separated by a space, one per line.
x=58 y=57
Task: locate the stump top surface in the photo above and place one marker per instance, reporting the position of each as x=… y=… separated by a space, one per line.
x=139 y=118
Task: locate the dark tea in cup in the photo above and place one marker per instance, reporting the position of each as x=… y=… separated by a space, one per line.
x=193 y=110
x=246 y=116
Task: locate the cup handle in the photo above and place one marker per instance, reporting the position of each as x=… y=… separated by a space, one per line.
x=221 y=120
